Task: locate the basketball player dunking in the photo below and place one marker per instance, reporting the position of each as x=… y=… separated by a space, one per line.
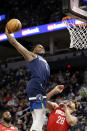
x=61 y=117
x=40 y=72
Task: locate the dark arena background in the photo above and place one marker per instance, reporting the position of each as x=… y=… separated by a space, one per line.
x=42 y=24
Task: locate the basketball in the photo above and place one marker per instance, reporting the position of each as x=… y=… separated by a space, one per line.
x=14 y=25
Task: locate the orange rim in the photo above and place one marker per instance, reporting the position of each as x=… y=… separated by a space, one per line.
x=68 y=18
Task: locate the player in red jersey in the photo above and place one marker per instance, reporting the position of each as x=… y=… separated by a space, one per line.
x=61 y=117
x=5 y=124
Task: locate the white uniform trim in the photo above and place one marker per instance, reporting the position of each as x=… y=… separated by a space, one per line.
x=35 y=98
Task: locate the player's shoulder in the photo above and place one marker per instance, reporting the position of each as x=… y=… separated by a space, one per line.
x=1 y=124
x=2 y=127
x=13 y=127
x=40 y=57
x=56 y=106
x=33 y=60
x=58 y=109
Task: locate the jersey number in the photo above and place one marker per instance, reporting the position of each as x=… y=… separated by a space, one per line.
x=60 y=120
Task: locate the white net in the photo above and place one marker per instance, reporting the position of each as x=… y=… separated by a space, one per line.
x=78 y=34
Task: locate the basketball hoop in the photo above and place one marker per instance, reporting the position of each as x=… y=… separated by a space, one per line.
x=78 y=32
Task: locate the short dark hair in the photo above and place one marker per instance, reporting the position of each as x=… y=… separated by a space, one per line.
x=33 y=47
x=2 y=110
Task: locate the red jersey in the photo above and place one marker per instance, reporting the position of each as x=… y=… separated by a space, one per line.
x=4 y=128
x=57 y=121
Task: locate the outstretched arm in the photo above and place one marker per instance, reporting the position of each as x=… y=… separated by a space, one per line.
x=28 y=55
x=56 y=90
x=51 y=105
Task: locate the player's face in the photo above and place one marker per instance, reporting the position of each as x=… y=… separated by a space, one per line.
x=39 y=49
x=71 y=106
x=7 y=117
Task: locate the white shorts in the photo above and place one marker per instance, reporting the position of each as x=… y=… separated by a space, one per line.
x=38 y=119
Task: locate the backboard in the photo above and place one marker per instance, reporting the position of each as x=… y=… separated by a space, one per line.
x=77 y=9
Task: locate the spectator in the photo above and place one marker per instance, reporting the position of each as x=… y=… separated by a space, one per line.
x=6 y=122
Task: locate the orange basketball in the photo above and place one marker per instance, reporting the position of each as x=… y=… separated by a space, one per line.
x=14 y=25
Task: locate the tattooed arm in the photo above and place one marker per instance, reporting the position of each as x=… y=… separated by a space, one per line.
x=28 y=55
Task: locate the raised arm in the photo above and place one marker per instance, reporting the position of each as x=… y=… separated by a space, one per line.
x=28 y=55
x=56 y=90
x=71 y=120
x=51 y=105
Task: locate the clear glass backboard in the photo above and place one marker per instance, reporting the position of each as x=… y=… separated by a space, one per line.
x=79 y=7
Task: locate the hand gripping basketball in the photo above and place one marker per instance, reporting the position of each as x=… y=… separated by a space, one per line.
x=13 y=26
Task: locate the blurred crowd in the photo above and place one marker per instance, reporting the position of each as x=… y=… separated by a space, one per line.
x=13 y=95
x=32 y=13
